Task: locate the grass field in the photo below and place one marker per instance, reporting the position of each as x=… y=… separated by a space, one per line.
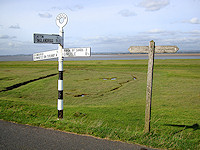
x=107 y=99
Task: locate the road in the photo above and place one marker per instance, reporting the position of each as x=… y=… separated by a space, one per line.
x=23 y=137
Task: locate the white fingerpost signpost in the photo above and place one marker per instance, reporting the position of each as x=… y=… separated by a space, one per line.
x=61 y=21
x=151 y=49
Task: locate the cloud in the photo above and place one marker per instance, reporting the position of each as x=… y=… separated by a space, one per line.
x=77 y=7
x=155 y=31
x=104 y=40
x=193 y=32
x=11 y=44
x=115 y=43
x=127 y=13
x=171 y=33
x=154 y=5
x=160 y=32
x=192 y=21
x=195 y=21
x=7 y=37
x=45 y=15
x=188 y=42
x=55 y=8
x=71 y=8
x=15 y=26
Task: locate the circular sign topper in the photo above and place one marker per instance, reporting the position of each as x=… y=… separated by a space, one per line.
x=61 y=20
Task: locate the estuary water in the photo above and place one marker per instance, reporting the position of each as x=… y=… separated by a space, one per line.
x=106 y=57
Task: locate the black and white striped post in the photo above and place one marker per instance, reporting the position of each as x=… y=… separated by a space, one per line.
x=60 y=53
x=61 y=21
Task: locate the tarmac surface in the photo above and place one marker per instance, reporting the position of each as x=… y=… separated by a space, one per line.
x=23 y=137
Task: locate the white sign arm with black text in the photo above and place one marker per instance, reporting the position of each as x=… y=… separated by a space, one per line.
x=77 y=52
x=47 y=38
x=45 y=55
x=67 y=52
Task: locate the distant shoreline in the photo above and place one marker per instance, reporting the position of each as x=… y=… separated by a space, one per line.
x=107 y=57
x=164 y=54
x=127 y=54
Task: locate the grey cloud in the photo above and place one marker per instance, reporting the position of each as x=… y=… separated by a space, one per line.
x=154 y=5
x=78 y=7
x=186 y=41
x=56 y=8
x=193 y=33
x=45 y=15
x=114 y=43
x=75 y=7
x=171 y=33
x=15 y=26
x=7 y=37
x=127 y=13
x=71 y=8
x=104 y=39
x=117 y=43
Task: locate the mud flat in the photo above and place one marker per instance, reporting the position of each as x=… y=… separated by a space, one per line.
x=108 y=57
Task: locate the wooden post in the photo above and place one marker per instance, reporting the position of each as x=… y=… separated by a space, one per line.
x=151 y=49
x=149 y=86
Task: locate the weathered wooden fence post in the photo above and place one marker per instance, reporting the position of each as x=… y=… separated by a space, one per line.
x=151 y=49
x=149 y=86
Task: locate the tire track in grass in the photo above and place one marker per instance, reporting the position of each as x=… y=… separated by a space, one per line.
x=113 y=89
x=27 y=82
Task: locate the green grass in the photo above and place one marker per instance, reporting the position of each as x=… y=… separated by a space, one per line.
x=112 y=109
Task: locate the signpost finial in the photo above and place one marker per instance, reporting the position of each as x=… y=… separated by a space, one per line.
x=61 y=20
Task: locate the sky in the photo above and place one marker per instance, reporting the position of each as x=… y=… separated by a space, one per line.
x=104 y=25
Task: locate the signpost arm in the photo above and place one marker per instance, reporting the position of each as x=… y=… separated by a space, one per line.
x=149 y=86
x=60 y=79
